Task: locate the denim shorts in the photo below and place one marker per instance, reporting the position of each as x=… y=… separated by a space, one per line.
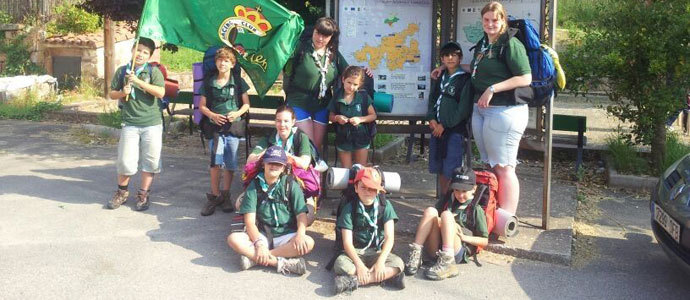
x=225 y=155
x=320 y=116
x=497 y=132
x=454 y=151
x=139 y=148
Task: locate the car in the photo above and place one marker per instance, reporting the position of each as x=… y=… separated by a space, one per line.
x=670 y=212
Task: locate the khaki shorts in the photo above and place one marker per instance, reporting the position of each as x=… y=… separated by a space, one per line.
x=345 y=266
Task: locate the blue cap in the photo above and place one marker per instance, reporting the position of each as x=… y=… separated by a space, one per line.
x=275 y=154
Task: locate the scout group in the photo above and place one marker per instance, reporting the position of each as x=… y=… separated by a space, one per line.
x=274 y=209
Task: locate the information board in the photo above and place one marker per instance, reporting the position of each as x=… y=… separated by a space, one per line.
x=393 y=39
x=469 y=22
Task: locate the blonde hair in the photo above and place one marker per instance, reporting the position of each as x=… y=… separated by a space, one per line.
x=498 y=9
x=226 y=52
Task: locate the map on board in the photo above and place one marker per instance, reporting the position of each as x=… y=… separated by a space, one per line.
x=469 y=23
x=393 y=39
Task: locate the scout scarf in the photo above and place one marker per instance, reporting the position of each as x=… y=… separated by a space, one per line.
x=288 y=143
x=323 y=69
x=372 y=222
x=270 y=193
x=485 y=50
x=437 y=106
x=136 y=72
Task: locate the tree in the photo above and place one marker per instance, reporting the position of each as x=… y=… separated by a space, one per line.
x=637 y=52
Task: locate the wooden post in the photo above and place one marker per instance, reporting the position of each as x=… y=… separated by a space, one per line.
x=108 y=51
x=550 y=27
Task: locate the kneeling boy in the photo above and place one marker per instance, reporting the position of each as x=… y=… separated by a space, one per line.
x=446 y=226
x=367 y=228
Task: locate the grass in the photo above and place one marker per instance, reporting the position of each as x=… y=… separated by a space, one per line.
x=28 y=107
x=675 y=149
x=624 y=157
x=85 y=89
x=182 y=60
x=111 y=119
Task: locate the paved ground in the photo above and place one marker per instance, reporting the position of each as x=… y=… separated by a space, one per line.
x=58 y=241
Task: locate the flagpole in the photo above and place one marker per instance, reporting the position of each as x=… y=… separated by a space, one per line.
x=136 y=46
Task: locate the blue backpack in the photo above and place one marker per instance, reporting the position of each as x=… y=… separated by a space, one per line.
x=538 y=93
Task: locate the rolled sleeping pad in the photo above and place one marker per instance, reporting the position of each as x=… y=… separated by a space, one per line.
x=506 y=223
x=198 y=74
x=336 y=179
x=383 y=102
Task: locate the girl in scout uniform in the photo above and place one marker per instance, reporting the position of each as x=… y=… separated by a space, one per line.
x=275 y=218
x=444 y=230
x=367 y=228
x=219 y=104
x=449 y=109
x=349 y=110
x=316 y=65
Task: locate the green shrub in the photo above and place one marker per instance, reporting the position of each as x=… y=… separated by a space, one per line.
x=576 y=13
x=17 y=58
x=28 y=107
x=111 y=119
x=5 y=18
x=675 y=149
x=624 y=156
x=73 y=19
x=182 y=60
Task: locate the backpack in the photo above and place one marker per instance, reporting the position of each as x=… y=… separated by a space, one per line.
x=366 y=92
x=348 y=195
x=539 y=92
x=304 y=42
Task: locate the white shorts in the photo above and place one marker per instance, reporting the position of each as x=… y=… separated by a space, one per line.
x=139 y=149
x=277 y=241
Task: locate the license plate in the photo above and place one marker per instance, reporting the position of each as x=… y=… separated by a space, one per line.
x=666 y=222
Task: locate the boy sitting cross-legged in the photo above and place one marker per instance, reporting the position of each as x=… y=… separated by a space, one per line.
x=446 y=226
x=367 y=228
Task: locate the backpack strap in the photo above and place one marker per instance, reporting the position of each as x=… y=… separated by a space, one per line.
x=260 y=197
x=471 y=220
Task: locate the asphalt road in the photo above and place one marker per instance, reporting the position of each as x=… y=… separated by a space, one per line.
x=57 y=240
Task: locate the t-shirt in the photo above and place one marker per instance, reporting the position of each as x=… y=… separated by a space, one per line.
x=308 y=78
x=278 y=210
x=492 y=69
x=223 y=98
x=362 y=230
x=143 y=109
x=461 y=210
x=298 y=150
x=353 y=109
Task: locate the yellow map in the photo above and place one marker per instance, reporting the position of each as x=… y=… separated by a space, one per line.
x=394 y=48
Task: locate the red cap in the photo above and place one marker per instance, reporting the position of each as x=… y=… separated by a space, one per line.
x=370 y=177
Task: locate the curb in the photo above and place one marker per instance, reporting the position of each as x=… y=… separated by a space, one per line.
x=390 y=149
x=631 y=182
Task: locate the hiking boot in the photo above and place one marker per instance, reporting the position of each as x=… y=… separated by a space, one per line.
x=445 y=267
x=345 y=283
x=142 y=201
x=291 y=265
x=397 y=282
x=118 y=199
x=414 y=260
x=210 y=206
x=228 y=206
x=246 y=263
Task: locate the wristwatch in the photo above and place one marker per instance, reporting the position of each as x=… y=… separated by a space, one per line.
x=491 y=88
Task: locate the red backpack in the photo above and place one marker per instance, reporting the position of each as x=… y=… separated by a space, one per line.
x=485 y=197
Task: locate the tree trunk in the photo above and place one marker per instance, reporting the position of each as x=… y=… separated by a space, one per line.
x=108 y=51
x=659 y=145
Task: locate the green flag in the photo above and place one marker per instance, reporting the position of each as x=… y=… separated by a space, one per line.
x=263 y=32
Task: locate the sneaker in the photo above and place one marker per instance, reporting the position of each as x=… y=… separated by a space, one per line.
x=210 y=206
x=227 y=206
x=142 y=201
x=414 y=260
x=291 y=265
x=118 y=199
x=345 y=283
x=397 y=282
x=246 y=263
x=444 y=268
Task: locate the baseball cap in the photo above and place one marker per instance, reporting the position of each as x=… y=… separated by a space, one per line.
x=370 y=177
x=462 y=179
x=275 y=154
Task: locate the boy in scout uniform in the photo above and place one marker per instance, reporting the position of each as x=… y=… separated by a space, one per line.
x=141 y=136
x=367 y=227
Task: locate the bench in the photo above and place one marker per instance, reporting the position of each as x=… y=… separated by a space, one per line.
x=573 y=124
x=183 y=97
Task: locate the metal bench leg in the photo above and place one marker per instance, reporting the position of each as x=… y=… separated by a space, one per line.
x=410 y=144
x=580 y=144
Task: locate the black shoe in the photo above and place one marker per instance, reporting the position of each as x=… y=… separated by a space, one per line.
x=142 y=201
x=345 y=283
x=397 y=282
